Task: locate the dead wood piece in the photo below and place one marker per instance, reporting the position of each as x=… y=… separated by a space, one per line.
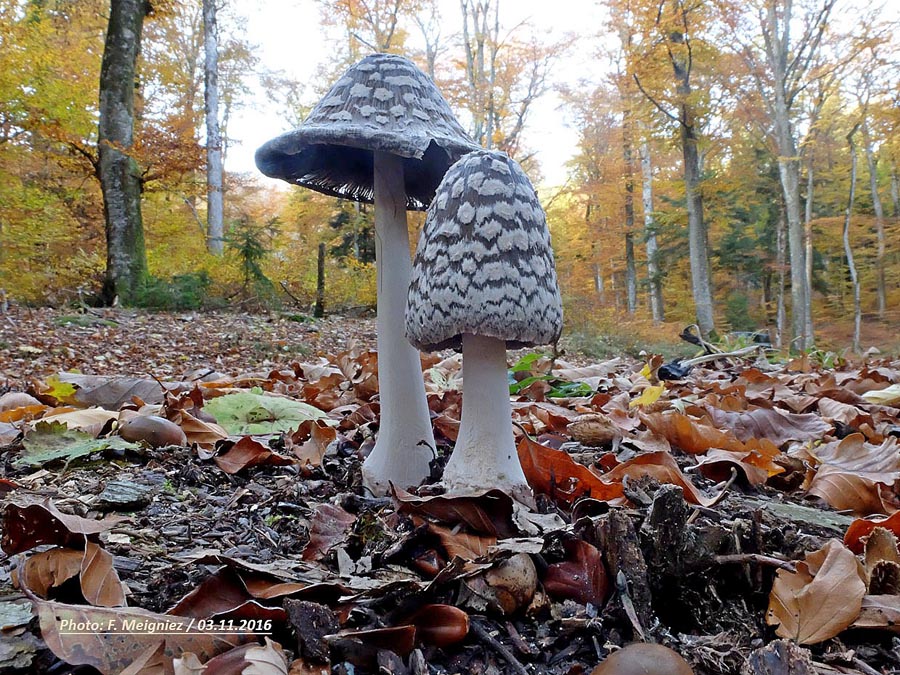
x=311 y=622
x=618 y=540
x=391 y=664
x=803 y=514
x=757 y=558
x=781 y=657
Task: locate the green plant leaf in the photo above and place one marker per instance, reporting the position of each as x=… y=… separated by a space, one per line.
x=252 y=412
x=50 y=441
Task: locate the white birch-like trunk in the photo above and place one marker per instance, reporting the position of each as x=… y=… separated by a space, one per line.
x=848 y=250
x=404 y=446
x=872 y=163
x=485 y=454
x=656 y=303
x=214 y=165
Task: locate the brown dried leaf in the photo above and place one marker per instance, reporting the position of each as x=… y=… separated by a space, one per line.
x=487 y=513
x=318 y=435
x=250 y=659
x=248 y=452
x=107 y=650
x=28 y=525
x=581 y=577
x=861 y=527
x=440 y=625
x=100 y=583
x=466 y=546
x=881 y=612
x=690 y=435
x=328 y=528
x=662 y=467
x=49 y=569
x=776 y=425
x=556 y=474
x=821 y=599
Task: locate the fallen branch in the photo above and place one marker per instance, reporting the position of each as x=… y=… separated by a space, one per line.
x=757 y=558
x=494 y=644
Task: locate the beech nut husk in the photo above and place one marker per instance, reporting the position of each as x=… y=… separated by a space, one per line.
x=642 y=658
x=513 y=582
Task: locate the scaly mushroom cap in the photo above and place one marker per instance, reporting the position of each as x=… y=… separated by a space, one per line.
x=484 y=264
x=382 y=103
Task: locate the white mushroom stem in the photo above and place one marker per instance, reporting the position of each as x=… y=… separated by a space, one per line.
x=485 y=454
x=405 y=441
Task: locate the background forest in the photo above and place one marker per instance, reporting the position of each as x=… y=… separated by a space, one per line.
x=737 y=163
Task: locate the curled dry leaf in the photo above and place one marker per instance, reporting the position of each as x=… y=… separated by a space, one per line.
x=821 y=599
x=100 y=582
x=316 y=435
x=157 y=432
x=28 y=525
x=580 y=577
x=440 y=625
x=329 y=527
x=250 y=659
x=489 y=513
x=881 y=612
x=104 y=647
x=466 y=546
x=248 y=452
x=46 y=570
x=860 y=528
x=512 y=583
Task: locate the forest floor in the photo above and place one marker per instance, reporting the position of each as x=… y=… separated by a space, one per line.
x=152 y=518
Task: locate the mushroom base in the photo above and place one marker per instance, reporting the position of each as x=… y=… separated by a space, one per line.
x=485 y=455
x=404 y=446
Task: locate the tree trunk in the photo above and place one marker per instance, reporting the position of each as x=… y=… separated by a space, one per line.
x=319 y=310
x=895 y=190
x=872 y=162
x=119 y=174
x=628 y=156
x=781 y=264
x=807 y=222
x=697 y=236
x=848 y=251
x=653 y=276
x=214 y=166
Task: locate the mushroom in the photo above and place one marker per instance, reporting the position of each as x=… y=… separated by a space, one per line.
x=383 y=133
x=484 y=279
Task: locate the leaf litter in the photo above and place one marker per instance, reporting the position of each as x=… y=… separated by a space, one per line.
x=719 y=514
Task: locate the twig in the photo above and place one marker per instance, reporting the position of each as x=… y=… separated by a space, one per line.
x=864 y=667
x=721 y=495
x=492 y=642
x=628 y=605
x=757 y=558
x=720 y=355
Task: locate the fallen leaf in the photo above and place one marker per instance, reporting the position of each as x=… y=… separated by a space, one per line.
x=861 y=527
x=100 y=582
x=328 y=528
x=28 y=525
x=778 y=426
x=581 y=577
x=252 y=412
x=648 y=397
x=881 y=612
x=690 y=435
x=821 y=599
x=94 y=636
x=250 y=659
x=488 y=513
x=249 y=452
x=439 y=625
x=46 y=570
x=51 y=441
x=319 y=435
x=888 y=396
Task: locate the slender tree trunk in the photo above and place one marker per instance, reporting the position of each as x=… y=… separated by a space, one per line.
x=848 y=251
x=628 y=156
x=781 y=264
x=807 y=222
x=653 y=276
x=119 y=174
x=697 y=235
x=895 y=190
x=872 y=162
x=319 y=310
x=214 y=165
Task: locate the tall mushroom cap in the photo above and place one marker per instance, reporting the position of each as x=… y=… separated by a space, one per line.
x=484 y=264
x=382 y=103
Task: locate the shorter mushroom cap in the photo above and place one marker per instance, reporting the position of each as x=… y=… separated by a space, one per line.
x=382 y=103
x=484 y=264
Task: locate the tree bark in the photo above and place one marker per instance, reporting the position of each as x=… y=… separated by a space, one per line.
x=119 y=174
x=781 y=264
x=214 y=164
x=628 y=156
x=872 y=163
x=319 y=310
x=656 y=303
x=848 y=251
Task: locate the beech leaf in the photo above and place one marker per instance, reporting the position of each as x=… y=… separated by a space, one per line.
x=821 y=599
